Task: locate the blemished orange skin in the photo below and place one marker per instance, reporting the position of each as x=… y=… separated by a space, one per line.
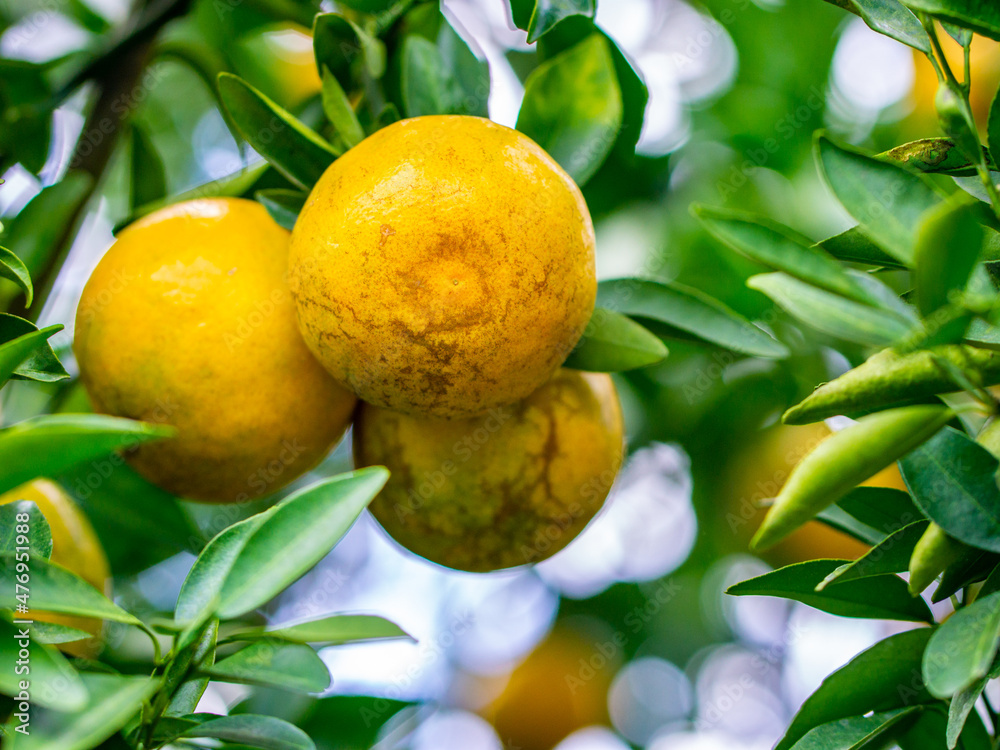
x=509 y=488
x=75 y=546
x=444 y=265
x=187 y=321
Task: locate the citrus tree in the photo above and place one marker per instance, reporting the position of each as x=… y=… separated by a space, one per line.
x=908 y=296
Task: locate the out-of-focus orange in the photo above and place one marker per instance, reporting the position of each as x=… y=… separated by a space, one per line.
x=758 y=473
x=985 y=73
x=279 y=61
x=562 y=686
x=75 y=546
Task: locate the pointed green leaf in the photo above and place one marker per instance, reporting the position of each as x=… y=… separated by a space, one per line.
x=253 y=731
x=295 y=150
x=48 y=632
x=961 y=651
x=12 y=268
x=855 y=732
x=982 y=16
x=962 y=704
x=855 y=246
x=615 y=343
x=54 y=683
x=831 y=313
x=472 y=74
x=871 y=514
x=55 y=589
x=891 y=555
x=883 y=597
x=204 y=581
x=690 y=311
x=339 y=111
x=428 y=86
x=25 y=353
x=283 y=205
x=300 y=532
x=48 y=445
x=952 y=480
x=781 y=248
x=113 y=700
x=881 y=678
x=292 y=666
x=895 y=20
x=949 y=239
x=548 y=13
x=572 y=107
x=885 y=199
x=332 y=630
x=33 y=533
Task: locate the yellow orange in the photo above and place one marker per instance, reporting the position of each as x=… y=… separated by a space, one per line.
x=506 y=489
x=187 y=321
x=445 y=265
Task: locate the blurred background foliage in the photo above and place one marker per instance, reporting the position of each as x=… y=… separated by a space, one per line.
x=625 y=638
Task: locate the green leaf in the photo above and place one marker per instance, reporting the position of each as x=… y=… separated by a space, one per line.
x=871 y=514
x=113 y=701
x=335 y=630
x=25 y=353
x=12 y=268
x=982 y=16
x=690 y=311
x=48 y=632
x=138 y=523
x=50 y=444
x=283 y=205
x=961 y=651
x=340 y=112
x=428 y=86
x=295 y=150
x=952 y=480
x=188 y=693
x=37 y=536
x=149 y=180
x=33 y=233
x=948 y=243
x=929 y=732
x=963 y=703
x=292 y=666
x=882 y=597
x=613 y=342
x=854 y=246
x=572 y=107
x=472 y=75
x=993 y=125
x=842 y=461
x=933 y=156
x=885 y=199
x=338 y=43
x=831 y=313
x=54 y=683
x=781 y=248
x=548 y=13
x=301 y=531
x=891 y=555
x=889 y=378
x=204 y=581
x=892 y=18
x=973 y=566
x=253 y=731
x=881 y=678
x=55 y=589
x=854 y=732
